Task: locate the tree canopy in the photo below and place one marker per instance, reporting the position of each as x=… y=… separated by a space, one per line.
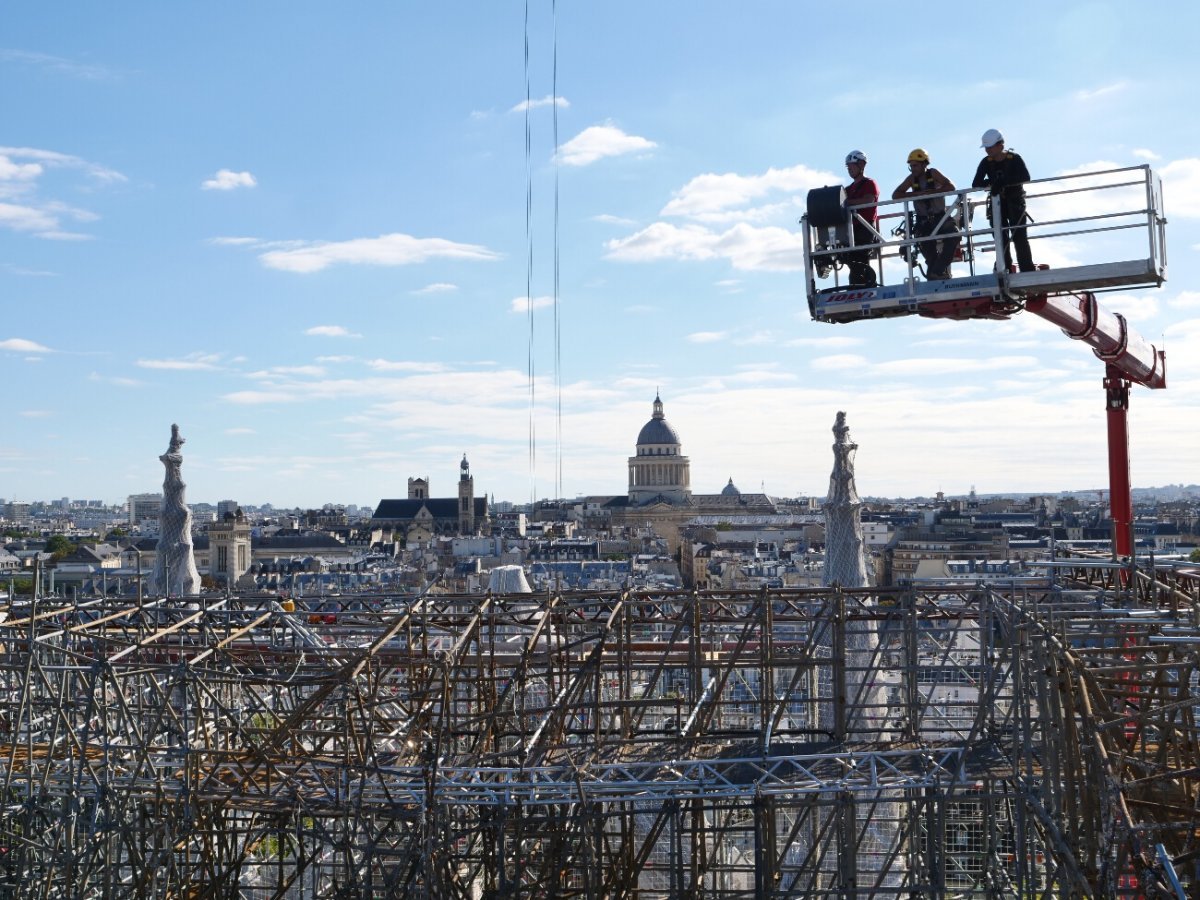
x=59 y=545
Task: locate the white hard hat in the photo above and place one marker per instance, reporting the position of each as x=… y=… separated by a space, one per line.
x=991 y=137
x=856 y=156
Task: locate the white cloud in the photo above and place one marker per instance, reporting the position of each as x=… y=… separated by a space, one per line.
x=58 y=235
x=23 y=210
x=21 y=345
x=435 y=415
x=1143 y=153
x=1188 y=328
x=598 y=142
x=1185 y=300
x=27 y=218
x=768 y=249
x=331 y=331
x=275 y=371
x=523 y=304
x=1116 y=198
x=955 y=365
x=1134 y=307
x=711 y=196
x=1179 y=341
x=11 y=171
x=1063 y=252
x=32 y=273
x=664 y=241
x=744 y=246
x=548 y=100
x=118 y=380
x=240 y=431
x=260 y=398
x=760 y=376
x=606 y=219
x=36 y=413
x=59 y=64
x=234 y=241
x=1103 y=91
x=227 y=180
x=409 y=397
x=713 y=200
x=707 y=337
x=1099 y=201
x=74 y=212
x=387 y=365
x=1181 y=187
x=53 y=159
x=193 y=362
x=438 y=287
x=385 y=250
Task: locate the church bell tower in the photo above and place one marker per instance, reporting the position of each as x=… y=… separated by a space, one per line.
x=466 y=498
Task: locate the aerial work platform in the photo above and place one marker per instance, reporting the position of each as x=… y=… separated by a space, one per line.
x=1091 y=231
x=1088 y=232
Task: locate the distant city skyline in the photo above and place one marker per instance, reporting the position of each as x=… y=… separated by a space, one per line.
x=1097 y=494
x=301 y=235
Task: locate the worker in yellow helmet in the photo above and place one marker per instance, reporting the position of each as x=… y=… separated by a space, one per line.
x=929 y=214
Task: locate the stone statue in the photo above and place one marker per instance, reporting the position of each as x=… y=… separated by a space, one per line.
x=845 y=563
x=867 y=718
x=175 y=563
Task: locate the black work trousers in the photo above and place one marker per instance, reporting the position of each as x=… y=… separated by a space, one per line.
x=1012 y=212
x=938 y=253
x=858 y=262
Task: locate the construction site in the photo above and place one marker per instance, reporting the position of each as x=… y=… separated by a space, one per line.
x=1027 y=737
x=1036 y=739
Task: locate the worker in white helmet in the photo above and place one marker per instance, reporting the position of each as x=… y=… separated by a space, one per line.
x=1004 y=173
x=929 y=215
x=861 y=190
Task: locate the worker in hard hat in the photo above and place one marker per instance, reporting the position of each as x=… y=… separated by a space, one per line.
x=929 y=216
x=861 y=190
x=1004 y=173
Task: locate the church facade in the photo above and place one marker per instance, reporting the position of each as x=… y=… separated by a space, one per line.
x=420 y=517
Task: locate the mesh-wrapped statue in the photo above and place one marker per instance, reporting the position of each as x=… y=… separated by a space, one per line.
x=845 y=562
x=175 y=563
x=846 y=566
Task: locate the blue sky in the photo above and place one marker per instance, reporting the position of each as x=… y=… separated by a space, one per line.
x=299 y=231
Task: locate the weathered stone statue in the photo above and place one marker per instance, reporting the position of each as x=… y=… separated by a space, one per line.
x=868 y=711
x=175 y=564
x=845 y=563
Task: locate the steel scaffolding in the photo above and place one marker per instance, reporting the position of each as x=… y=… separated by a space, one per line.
x=1030 y=739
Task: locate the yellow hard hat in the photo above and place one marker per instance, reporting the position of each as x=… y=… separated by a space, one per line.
x=918 y=155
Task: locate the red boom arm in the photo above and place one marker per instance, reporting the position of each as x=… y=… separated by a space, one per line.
x=1128 y=357
x=1107 y=333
